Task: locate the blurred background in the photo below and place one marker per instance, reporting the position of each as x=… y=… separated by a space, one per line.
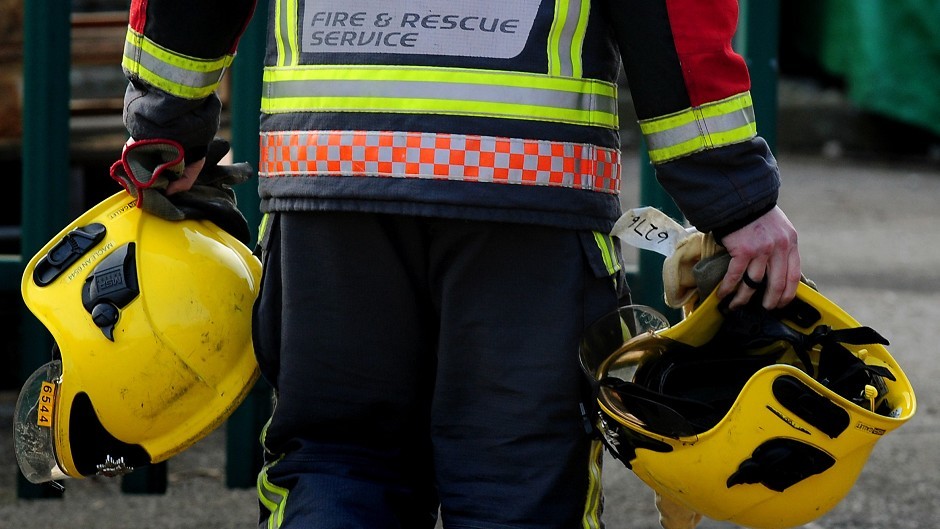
x=843 y=83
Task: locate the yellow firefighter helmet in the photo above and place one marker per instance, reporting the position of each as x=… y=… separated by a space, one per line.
x=152 y=325
x=761 y=418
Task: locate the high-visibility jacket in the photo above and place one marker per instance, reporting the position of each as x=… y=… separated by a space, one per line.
x=482 y=110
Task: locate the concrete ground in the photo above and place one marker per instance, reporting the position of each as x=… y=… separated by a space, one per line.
x=869 y=238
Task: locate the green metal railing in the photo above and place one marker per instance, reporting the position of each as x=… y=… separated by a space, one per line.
x=46 y=165
x=46 y=54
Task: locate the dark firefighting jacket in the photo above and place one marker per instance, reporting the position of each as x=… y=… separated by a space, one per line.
x=481 y=110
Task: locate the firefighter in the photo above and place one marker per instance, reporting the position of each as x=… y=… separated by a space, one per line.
x=439 y=180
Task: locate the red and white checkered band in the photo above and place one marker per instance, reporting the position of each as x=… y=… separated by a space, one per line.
x=440 y=156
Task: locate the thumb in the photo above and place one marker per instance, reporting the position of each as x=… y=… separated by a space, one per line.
x=185 y=182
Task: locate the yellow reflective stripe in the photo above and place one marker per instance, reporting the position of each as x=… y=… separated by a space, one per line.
x=696 y=129
x=451 y=91
x=174 y=73
x=294 y=33
x=262 y=229
x=280 y=30
x=437 y=74
x=595 y=496
x=426 y=106
x=286 y=32
x=555 y=57
x=273 y=497
x=566 y=37
x=608 y=252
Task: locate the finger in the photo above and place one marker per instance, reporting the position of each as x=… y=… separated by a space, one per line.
x=794 y=276
x=733 y=283
x=186 y=181
x=753 y=284
x=777 y=281
x=783 y=279
x=742 y=296
x=733 y=276
x=754 y=277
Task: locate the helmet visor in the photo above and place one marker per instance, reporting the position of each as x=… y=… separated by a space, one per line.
x=607 y=335
x=610 y=366
x=33 y=435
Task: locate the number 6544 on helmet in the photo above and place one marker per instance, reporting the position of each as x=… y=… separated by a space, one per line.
x=152 y=325
x=762 y=418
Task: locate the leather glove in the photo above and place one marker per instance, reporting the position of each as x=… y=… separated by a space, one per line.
x=675 y=516
x=146 y=168
x=680 y=282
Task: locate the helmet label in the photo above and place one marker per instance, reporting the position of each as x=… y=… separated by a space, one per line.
x=870 y=429
x=46 y=404
x=97 y=254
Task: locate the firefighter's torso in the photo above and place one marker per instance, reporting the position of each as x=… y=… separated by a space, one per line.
x=480 y=109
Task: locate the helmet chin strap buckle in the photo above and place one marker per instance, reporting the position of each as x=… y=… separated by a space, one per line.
x=105 y=316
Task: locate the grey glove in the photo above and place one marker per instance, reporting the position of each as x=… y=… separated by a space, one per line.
x=146 y=168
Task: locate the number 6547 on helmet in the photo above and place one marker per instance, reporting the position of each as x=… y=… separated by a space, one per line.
x=152 y=325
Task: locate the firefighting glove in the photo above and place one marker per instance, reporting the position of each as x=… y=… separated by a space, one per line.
x=146 y=168
x=672 y=515
x=680 y=283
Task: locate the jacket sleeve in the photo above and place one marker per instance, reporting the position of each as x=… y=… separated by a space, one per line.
x=175 y=54
x=692 y=96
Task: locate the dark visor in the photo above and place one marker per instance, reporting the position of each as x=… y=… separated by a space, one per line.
x=607 y=335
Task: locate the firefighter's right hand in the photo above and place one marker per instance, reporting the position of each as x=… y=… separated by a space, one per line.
x=764 y=254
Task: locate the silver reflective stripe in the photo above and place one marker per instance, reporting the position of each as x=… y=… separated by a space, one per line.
x=703 y=127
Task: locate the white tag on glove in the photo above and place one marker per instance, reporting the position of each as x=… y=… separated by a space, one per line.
x=648 y=228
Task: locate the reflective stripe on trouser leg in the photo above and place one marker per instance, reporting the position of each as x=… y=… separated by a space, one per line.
x=593 y=506
x=272 y=497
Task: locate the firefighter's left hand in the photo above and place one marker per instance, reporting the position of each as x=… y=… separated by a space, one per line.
x=153 y=172
x=766 y=252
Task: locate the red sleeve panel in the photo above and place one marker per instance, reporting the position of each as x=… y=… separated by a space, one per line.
x=677 y=53
x=703 y=32
x=138 y=15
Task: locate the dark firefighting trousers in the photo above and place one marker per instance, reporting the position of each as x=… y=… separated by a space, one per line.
x=423 y=364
